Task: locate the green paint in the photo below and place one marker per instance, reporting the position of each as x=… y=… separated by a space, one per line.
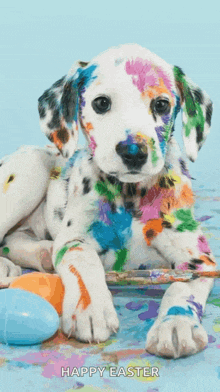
x=186 y=217
x=121 y=258
x=61 y=252
x=193 y=122
x=154 y=157
x=108 y=190
x=192 y=108
x=166 y=135
x=5 y=250
x=214 y=301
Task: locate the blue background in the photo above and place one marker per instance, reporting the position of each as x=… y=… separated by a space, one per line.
x=40 y=41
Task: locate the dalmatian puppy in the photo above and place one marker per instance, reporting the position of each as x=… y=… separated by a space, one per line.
x=123 y=202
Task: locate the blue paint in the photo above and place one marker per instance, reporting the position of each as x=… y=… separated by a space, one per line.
x=80 y=81
x=115 y=234
x=75 y=160
x=180 y=311
x=133 y=149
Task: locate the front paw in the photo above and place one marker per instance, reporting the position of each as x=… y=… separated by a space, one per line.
x=176 y=337
x=95 y=323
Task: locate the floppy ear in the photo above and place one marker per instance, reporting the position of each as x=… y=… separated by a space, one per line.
x=58 y=110
x=196 y=113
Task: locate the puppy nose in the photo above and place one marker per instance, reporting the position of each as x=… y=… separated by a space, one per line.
x=132 y=155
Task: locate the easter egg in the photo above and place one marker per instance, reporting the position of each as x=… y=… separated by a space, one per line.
x=48 y=286
x=26 y=318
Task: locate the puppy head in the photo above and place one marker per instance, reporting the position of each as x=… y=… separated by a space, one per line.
x=126 y=101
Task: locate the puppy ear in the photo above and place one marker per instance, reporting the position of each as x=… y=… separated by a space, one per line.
x=58 y=110
x=196 y=113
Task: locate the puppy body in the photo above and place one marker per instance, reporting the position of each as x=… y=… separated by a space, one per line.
x=123 y=202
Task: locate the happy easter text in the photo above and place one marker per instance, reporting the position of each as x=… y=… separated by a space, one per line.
x=113 y=371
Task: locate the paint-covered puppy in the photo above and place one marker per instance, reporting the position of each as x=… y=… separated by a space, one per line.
x=123 y=202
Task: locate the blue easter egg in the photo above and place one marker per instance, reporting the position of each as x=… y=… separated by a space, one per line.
x=26 y=318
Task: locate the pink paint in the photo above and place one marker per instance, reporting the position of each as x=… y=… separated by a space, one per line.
x=203 y=245
x=92 y=145
x=145 y=74
x=53 y=361
x=150 y=204
x=184 y=266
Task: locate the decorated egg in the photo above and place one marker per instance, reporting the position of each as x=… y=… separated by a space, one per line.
x=48 y=286
x=26 y=318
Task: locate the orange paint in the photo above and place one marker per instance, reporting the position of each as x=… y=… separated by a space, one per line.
x=186 y=197
x=207 y=260
x=84 y=300
x=76 y=248
x=56 y=140
x=152 y=228
x=88 y=127
x=155 y=91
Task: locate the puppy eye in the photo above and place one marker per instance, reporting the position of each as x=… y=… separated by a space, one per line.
x=162 y=106
x=101 y=105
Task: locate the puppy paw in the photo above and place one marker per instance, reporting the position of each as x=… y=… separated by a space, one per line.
x=176 y=337
x=95 y=323
x=8 y=269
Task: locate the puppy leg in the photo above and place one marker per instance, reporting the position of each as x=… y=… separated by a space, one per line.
x=28 y=252
x=23 y=183
x=88 y=311
x=8 y=269
x=178 y=331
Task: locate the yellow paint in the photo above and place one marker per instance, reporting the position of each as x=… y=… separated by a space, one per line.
x=216 y=325
x=170 y=218
x=7 y=183
x=144 y=363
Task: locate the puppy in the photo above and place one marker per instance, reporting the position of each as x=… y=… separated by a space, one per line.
x=122 y=202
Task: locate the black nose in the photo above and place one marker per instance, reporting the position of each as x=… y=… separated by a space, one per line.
x=132 y=155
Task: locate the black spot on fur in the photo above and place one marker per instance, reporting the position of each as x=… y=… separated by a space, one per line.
x=83 y=64
x=3 y=243
x=196 y=261
x=142 y=267
x=143 y=192
x=172 y=265
x=152 y=104
x=199 y=97
x=59 y=82
x=131 y=189
x=129 y=206
x=113 y=180
x=113 y=207
x=48 y=97
x=55 y=121
x=209 y=114
x=199 y=134
x=69 y=223
x=59 y=213
x=48 y=236
x=69 y=102
x=191 y=266
x=166 y=182
x=86 y=185
x=102 y=252
x=166 y=225
x=42 y=111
